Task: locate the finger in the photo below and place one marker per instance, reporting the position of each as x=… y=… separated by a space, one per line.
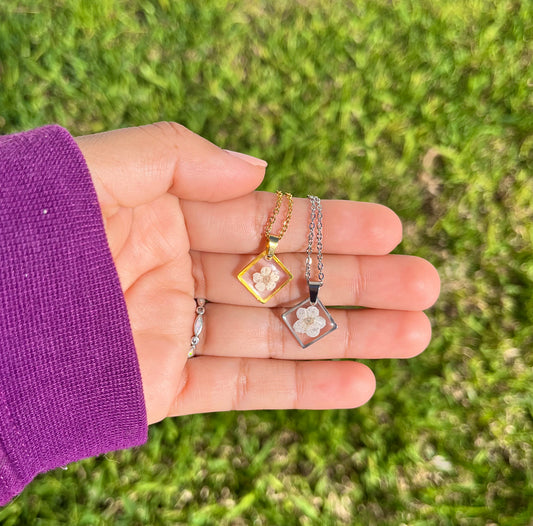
x=384 y=282
x=363 y=333
x=154 y=236
x=161 y=319
x=238 y=226
x=155 y=308
x=161 y=365
x=223 y=384
x=134 y=166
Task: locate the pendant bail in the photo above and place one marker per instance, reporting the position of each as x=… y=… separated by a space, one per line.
x=314 y=287
x=272 y=244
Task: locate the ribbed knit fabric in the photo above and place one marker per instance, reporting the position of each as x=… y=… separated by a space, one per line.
x=70 y=385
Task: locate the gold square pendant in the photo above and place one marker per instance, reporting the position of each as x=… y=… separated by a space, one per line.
x=264 y=277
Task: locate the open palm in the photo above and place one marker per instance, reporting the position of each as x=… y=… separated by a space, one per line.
x=182 y=219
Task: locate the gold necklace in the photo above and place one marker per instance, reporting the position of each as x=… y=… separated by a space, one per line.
x=266 y=275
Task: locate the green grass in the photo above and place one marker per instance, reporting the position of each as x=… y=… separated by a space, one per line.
x=423 y=106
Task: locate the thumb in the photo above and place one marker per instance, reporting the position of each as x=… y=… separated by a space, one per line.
x=133 y=166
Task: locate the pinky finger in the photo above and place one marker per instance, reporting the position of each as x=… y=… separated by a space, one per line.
x=211 y=384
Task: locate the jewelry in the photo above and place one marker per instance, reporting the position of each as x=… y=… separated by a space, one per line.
x=266 y=275
x=309 y=321
x=197 y=326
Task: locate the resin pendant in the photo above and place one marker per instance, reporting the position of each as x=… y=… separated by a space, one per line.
x=265 y=276
x=309 y=322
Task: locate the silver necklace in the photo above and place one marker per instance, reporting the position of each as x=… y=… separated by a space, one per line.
x=309 y=321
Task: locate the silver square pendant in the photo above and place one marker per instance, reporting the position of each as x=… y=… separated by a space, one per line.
x=309 y=323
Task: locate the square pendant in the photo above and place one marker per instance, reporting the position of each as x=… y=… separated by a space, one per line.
x=264 y=277
x=309 y=323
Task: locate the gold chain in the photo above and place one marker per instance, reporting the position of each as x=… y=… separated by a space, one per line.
x=275 y=213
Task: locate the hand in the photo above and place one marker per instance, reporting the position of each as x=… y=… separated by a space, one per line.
x=182 y=219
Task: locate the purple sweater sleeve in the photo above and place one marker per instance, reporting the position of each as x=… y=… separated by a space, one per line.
x=70 y=385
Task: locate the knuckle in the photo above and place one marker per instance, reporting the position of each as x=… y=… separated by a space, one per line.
x=359 y=281
x=199 y=274
x=298 y=386
x=275 y=337
x=242 y=385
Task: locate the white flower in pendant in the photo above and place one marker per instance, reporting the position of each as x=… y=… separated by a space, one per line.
x=266 y=279
x=309 y=321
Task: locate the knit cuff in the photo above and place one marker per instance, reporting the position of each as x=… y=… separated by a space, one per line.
x=70 y=385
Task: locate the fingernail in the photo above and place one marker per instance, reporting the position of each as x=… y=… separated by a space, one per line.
x=248 y=158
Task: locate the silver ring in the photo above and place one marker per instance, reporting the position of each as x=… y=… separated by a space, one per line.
x=198 y=326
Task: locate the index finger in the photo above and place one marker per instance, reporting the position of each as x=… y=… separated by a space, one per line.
x=238 y=226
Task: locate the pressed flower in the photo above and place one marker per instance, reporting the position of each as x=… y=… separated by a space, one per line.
x=309 y=321
x=266 y=279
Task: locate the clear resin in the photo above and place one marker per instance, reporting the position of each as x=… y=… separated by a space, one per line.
x=264 y=277
x=309 y=323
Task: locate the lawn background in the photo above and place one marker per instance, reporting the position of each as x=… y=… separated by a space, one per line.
x=423 y=106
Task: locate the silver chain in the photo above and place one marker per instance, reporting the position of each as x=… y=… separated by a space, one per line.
x=315 y=223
